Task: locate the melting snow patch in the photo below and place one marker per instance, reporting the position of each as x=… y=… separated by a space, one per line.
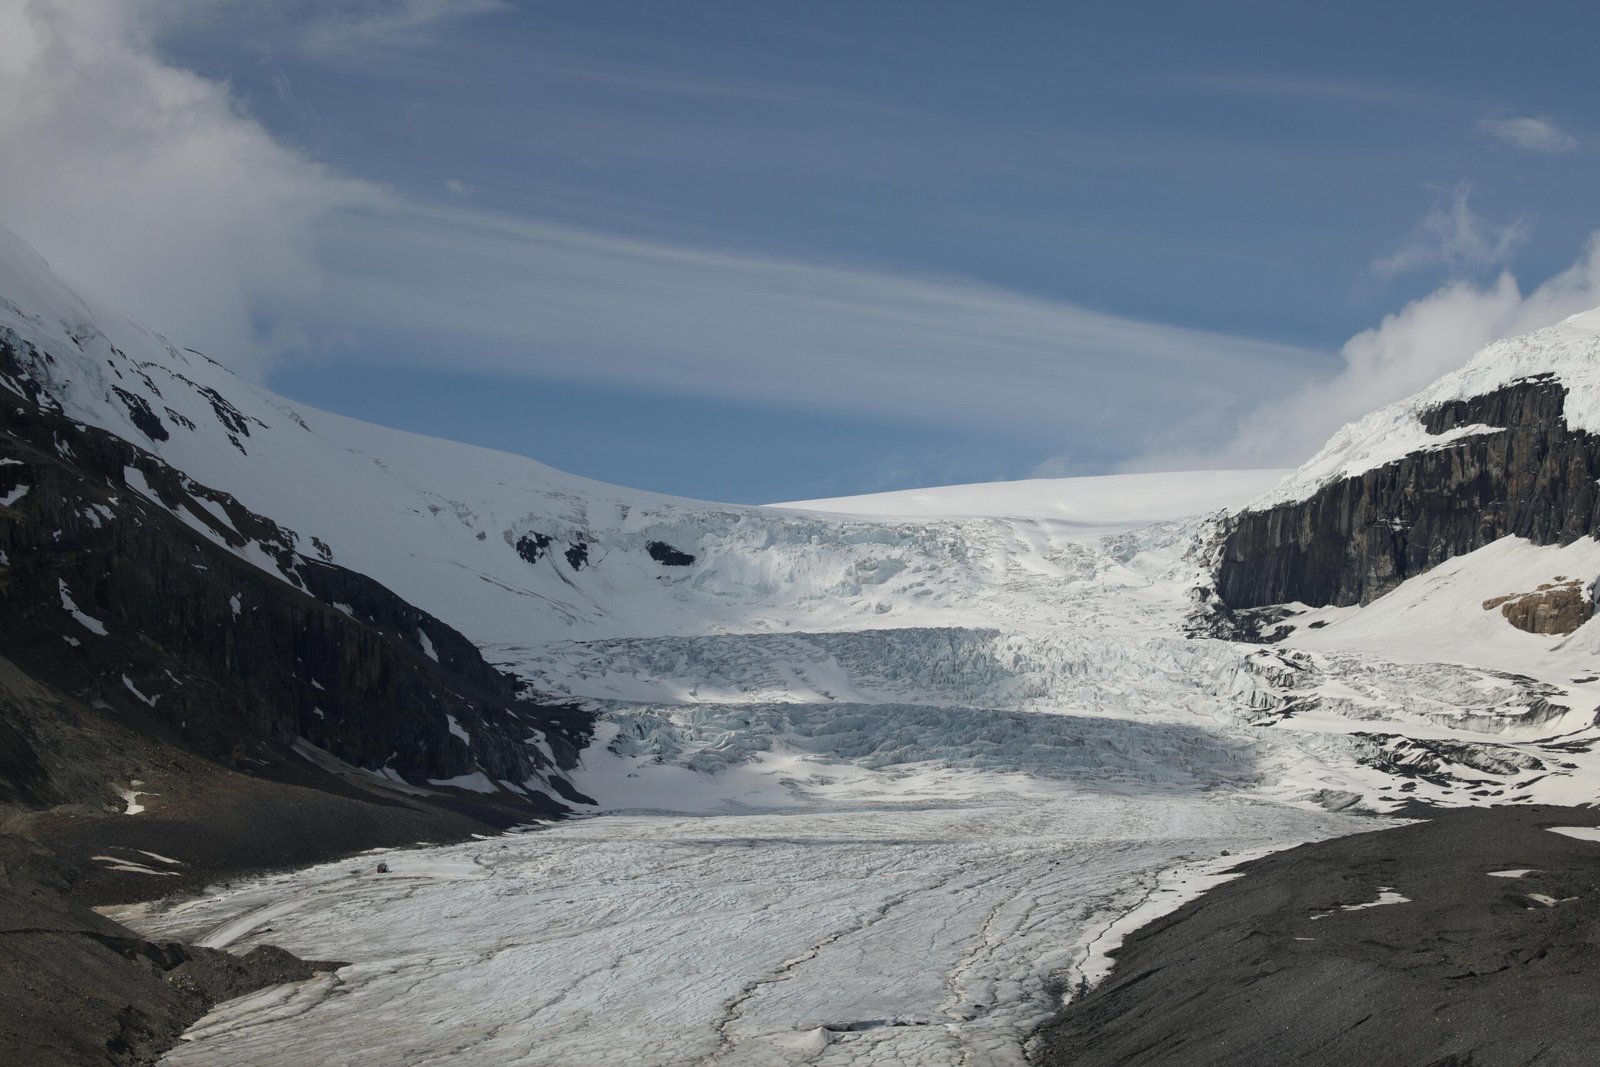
x=1386 y=895
x=1582 y=833
x=116 y=863
x=128 y=683
x=131 y=796
x=1519 y=872
x=15 y=495
x=135 y=480
x=215 y=511
x=456 y=729
x=233 y=602
x=94 y=626
x=159 y=858
x=427 y=648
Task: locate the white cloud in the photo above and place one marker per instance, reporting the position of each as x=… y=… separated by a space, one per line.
x=145 y=185
x=1455 y=238
x=1406 y=352
x=1528 y=133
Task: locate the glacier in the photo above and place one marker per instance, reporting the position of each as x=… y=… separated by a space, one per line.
x=875 y=780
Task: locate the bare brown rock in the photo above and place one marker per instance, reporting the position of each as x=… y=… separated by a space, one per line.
x=1557 y=607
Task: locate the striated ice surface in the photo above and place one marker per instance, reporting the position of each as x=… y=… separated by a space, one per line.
x=930 y=933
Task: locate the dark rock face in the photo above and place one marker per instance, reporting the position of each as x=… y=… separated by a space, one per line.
x=668 y=556
x=1357 y=539
x=532 y=547
x=119 y=602
x=148 y=421
x=578 y=555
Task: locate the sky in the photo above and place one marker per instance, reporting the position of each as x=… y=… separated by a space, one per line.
x=759 y=251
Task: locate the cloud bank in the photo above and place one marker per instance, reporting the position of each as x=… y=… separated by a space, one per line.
x=1411 y=348
x=148 y=186
x=143 y=183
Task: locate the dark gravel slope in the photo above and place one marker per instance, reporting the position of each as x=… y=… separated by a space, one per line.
x=1472 y=971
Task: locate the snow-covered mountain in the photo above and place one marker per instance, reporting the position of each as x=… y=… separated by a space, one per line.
x=724 y=638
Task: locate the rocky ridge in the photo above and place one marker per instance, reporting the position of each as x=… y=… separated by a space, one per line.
x=1526 y=473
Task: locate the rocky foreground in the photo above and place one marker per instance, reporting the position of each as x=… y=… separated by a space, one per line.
x=1466 y=939
x=77 y=988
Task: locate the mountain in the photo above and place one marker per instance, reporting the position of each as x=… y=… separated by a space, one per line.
x=1508 y=446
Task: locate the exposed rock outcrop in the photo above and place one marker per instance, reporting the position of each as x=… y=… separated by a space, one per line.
x=1558 y=607
x=668 y=556
x=1355 y=539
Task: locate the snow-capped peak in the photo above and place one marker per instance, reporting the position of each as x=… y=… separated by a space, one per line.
x=1569 y=351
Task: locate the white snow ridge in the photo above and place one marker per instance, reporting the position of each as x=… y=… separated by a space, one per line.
x=875 y=776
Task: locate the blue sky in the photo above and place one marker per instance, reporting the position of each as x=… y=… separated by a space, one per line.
x=759 y=251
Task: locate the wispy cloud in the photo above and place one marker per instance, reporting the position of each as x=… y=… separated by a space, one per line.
x=1454 y=238
x=140 y=180
x=1528 y=133
x=526 y=297
x=357 y=25
x=1360 y=92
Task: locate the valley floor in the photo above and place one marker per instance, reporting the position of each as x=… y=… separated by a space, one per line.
x=918 y=933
